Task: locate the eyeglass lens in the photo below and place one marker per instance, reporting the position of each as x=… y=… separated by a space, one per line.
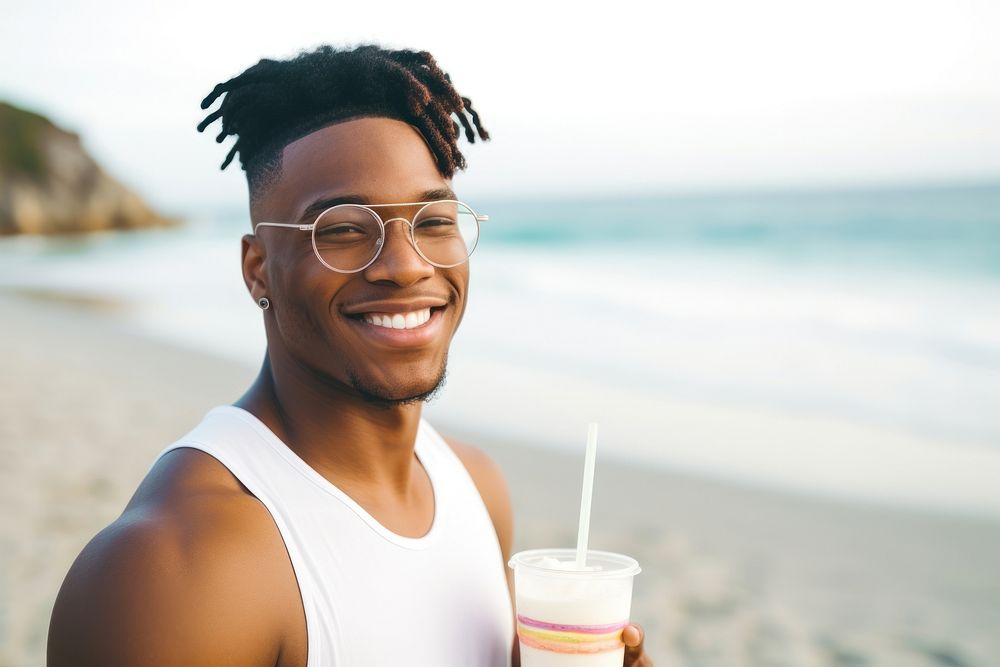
x=347 y=237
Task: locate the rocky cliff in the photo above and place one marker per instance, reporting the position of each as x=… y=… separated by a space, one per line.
x=50 y=185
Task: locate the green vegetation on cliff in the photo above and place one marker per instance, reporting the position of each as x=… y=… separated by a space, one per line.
x=21 y=137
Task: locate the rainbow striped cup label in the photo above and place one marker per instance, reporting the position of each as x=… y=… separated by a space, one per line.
x=561 y=638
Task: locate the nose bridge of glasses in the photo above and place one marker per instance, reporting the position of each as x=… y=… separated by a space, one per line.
x=387 y=223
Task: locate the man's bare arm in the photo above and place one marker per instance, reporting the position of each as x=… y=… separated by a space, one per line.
x=190 y=587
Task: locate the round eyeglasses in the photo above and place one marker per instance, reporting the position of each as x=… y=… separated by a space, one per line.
x=348 y=238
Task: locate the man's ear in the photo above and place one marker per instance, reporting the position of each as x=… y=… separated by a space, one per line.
x=253 y=256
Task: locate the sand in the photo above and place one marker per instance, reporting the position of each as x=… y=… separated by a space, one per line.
x=732 y=576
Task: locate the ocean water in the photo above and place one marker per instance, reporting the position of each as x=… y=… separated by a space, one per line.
x=842 y=343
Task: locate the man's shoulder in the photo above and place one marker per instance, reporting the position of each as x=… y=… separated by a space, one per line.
x=483 y=469
x=193 y=572
x=190 y=501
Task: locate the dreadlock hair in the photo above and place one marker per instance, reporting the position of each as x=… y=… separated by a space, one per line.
x=275 y=102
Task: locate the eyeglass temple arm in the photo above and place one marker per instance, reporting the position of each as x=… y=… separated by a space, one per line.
x=304 y=228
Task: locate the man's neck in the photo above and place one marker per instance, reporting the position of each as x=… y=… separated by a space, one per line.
x=347 y=439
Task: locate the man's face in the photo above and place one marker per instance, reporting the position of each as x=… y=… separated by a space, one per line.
x=321 y=317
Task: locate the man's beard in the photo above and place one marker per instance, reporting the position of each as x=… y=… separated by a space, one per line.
x=379 y=396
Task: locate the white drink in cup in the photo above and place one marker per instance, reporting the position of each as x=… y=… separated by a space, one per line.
x=571 y=617
x=573 y=604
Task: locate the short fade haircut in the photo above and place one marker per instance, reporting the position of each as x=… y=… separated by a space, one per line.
x=275 y=102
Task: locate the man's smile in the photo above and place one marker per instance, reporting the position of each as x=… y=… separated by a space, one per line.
x=411 y=323
x=410 y=320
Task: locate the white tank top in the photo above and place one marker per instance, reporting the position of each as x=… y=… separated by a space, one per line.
x=372 y=597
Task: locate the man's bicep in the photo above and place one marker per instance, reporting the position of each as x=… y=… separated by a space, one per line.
x=137 y=596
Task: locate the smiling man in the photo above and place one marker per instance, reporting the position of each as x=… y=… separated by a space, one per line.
x=319 y=520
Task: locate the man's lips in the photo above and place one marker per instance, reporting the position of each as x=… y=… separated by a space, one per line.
x=399 y=324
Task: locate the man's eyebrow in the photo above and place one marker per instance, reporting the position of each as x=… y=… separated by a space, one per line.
x=440 y=193
x=320 y=205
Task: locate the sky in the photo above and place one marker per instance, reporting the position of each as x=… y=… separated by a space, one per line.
x=633 y=97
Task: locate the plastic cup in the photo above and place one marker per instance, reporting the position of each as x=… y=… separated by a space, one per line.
x=568 y=617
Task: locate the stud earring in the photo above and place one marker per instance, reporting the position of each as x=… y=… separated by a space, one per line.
x=264 y=303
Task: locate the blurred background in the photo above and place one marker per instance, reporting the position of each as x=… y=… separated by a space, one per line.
x=758 y=243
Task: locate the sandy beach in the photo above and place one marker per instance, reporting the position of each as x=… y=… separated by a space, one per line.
x=731 y=576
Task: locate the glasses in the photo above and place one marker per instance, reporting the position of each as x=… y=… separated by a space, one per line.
x=348 y=238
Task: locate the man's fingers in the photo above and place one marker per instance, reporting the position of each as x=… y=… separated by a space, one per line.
x=632 y=636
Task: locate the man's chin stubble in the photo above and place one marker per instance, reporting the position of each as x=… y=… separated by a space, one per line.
x=380 y=396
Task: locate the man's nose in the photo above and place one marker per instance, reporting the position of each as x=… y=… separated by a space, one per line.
x=399 y=262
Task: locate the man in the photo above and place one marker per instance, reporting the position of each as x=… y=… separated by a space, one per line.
x=319 y=520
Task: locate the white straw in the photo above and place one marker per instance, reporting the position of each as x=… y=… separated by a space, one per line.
x=588 y=493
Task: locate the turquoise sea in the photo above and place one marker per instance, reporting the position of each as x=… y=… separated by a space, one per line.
x=845 y=343
x=947 y=230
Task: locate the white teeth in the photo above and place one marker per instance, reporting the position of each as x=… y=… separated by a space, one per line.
x=410 y=320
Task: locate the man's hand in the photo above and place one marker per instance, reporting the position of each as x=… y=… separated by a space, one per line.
x=633 y=637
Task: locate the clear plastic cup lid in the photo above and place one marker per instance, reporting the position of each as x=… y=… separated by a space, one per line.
x=562 y=563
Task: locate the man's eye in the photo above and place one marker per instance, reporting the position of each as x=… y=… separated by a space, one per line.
x=331 y=231
x=435 y=222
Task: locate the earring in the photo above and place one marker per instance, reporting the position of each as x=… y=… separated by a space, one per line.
x=264 y=303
